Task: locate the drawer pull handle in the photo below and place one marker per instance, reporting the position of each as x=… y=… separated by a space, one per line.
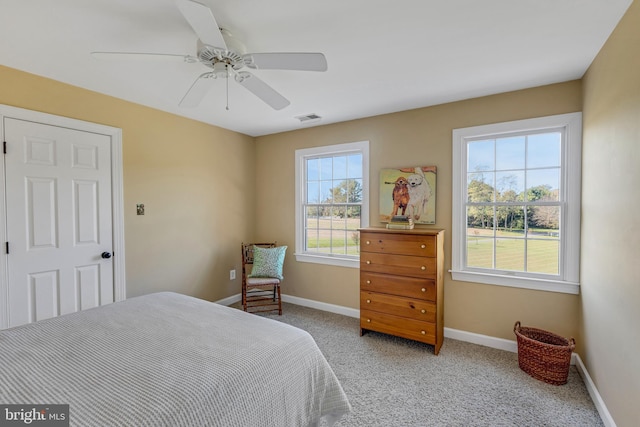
x=368 y=282
x=368 y=320
x=423 y=268
x=368 y=262
x=368 y=301
x=423 y=311
x=423 y=246
x=423 y=332
x=368 y=242
x=424 y=289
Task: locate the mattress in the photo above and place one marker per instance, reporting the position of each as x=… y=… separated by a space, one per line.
x=167 y=359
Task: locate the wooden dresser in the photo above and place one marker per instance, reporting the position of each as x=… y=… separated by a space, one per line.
x=401 y=291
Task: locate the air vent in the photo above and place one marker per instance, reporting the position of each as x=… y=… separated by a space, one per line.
x=309 y=118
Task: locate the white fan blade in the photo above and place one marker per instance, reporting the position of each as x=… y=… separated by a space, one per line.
x=262 y=90
x=303 y=61
x=129 y=56
x=198 y=90
x=201 y=19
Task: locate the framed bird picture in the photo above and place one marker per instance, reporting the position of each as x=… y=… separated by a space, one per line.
x=410 y=192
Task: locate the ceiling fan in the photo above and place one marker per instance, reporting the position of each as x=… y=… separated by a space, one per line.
x=226 y=56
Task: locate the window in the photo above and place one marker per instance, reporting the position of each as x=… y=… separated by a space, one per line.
x=331 y=202
x=516 y=203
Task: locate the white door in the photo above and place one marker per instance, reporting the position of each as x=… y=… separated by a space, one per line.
x=59 y=220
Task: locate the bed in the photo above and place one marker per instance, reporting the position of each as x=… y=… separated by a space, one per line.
x=167 y=359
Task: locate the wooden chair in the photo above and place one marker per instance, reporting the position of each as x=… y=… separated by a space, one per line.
x=259 y=294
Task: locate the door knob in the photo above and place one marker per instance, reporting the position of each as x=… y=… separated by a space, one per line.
x=106 y=255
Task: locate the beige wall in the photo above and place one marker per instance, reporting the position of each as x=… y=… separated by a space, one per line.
x=611 y=229
x=411 y=138
x=193 y=179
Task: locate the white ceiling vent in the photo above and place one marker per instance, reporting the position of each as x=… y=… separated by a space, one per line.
x=309 y=118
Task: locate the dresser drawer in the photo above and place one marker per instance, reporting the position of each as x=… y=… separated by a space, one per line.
x=400 y=326
x=398 y=306
x=401 y=244
x=401 y=265
x=424 y=289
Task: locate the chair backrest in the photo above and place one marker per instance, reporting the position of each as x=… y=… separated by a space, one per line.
x=247 y=254
x=247 y=250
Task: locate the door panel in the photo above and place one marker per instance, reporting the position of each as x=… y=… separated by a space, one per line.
x=44 y=289
x=59 y=220
x=85 y=200
x=41 y=213
x=88 y=286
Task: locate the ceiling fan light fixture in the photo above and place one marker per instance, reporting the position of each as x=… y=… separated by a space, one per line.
x=221 y=70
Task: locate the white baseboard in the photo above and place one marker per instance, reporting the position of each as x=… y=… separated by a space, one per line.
x=456 y=334
x=607 y=419
x=331 y=308
x=229 y=300
x=485 y=340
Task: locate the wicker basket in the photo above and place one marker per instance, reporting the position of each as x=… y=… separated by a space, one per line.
x=543 y=355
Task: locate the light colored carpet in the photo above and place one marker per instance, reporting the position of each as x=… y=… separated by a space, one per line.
x=393 y=382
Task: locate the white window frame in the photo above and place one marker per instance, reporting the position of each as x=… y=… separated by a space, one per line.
x=569 y=263
x=301 y=156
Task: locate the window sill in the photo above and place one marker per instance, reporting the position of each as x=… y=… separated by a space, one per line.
x=517 y=282
x=328 y=260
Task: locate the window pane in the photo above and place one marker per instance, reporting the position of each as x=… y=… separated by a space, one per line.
x=479 y=251
x=354 y=164
x=326 y=167
x=353 y=242
x=313 y=169
x=338 y=214
x=323 y=238
x=339 y=191
x=312 y=239
x=544 y=221
x=509 y=186
x=312 y=216
x=326 y=191
x=338 y=242
x=543 y=256
x=481 y=218
x=339 y=167
x=480 y=156
x=510 y=153
x=313 y=192
x=353 y=217
x=543 y=184
x=510 y=221
x=480 y=187
x=510 y=254
x=543 y=150
x=355 y=191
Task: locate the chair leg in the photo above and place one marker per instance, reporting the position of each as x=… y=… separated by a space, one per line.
x=279 y=302
x=244 y=298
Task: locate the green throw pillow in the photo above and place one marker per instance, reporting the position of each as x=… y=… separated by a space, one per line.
x=267 y=262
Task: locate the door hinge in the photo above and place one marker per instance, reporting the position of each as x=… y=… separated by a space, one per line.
x=7 y=245
x=4 y=147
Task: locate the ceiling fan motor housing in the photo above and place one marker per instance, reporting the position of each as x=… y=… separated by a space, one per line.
x=231 y=56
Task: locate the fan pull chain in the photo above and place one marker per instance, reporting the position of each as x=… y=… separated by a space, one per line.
x=226 y=66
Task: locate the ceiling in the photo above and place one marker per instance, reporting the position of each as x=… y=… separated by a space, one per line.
x=383 y=56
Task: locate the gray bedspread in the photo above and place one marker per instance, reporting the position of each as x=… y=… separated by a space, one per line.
x=167 y=359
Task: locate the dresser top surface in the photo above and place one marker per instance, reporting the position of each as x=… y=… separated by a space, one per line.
x=419 y=231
